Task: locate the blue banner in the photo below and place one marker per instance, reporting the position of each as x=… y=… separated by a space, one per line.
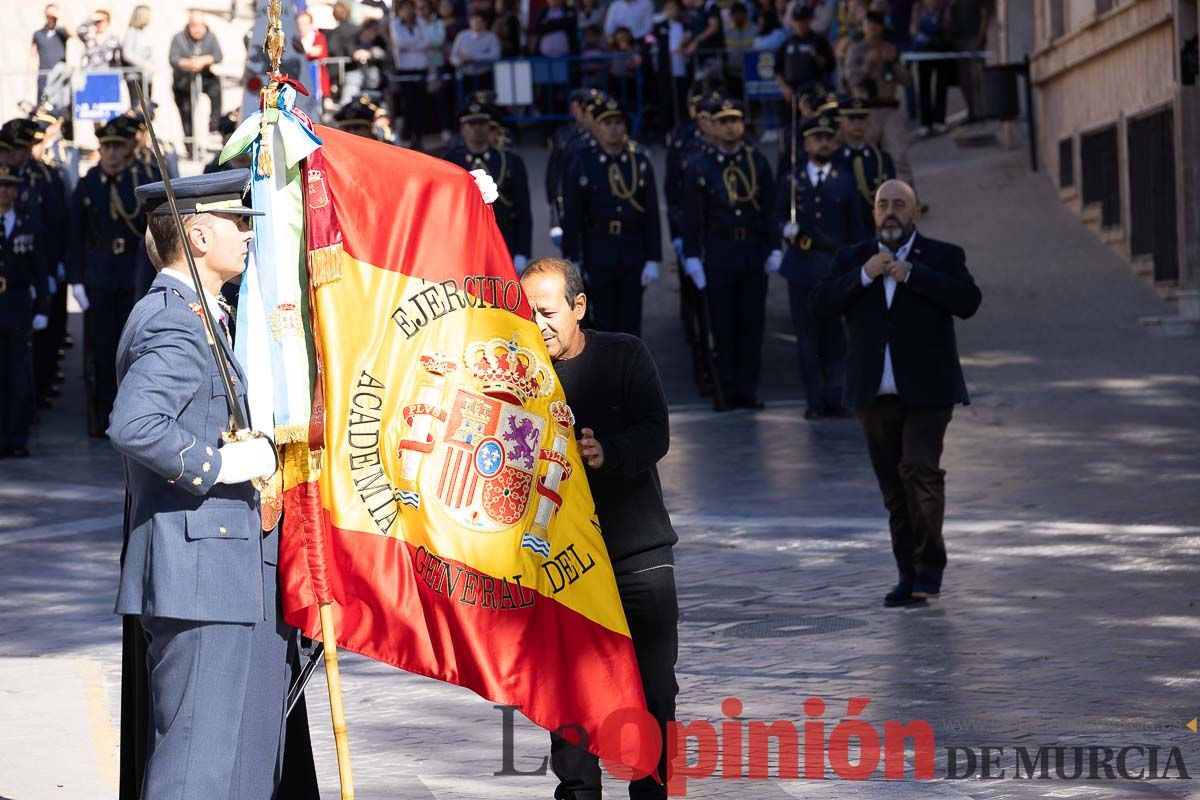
x=760 y=76
x=98 y=96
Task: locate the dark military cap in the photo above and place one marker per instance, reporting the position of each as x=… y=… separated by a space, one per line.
x=728 y=108
x=8 y=175
x=474 y=111
x=818 y=124
x=139 y=118
x=581 y=96
x=227 y=124
x=852 y=107
x=597 y=103
x=6 y=141
x=485 y=97
x=356 y=113
x=610 y=108
x=217 y=192
x=117 y=129
x=710 y=103
x=696 y=94
x=23 y=132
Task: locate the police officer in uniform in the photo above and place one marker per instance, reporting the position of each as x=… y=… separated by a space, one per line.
x=506 y=168
x=611 y=224
x=22 y=310
x=827 y=218
x=557 y=145
x=197 y=570
x=728 y=223
x=105 y=228
x=868 y=164
x=143 y=153
x=42 y=199
x=357 y=117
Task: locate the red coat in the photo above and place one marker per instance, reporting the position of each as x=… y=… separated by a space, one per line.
x=319 y=50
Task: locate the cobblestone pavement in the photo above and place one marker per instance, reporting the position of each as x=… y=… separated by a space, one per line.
x=1069 y=612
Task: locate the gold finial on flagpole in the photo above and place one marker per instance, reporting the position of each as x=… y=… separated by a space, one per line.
x=273 y=42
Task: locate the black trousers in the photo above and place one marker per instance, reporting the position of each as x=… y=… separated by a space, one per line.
x=107 y=311
x=737 y=304
x=905 y=444
x=933 y=98
x=652 y=611
x=617 y=303
x=16 y=387
x=821 y=346
x=410 y=92
x=210 y=86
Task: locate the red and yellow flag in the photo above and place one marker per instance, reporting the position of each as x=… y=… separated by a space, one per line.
x=458 y=538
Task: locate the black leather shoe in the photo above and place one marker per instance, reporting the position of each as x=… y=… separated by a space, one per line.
x=750 y=402
x=927 y=587
x=812 y=413
x=719 y=405
x=901 y=595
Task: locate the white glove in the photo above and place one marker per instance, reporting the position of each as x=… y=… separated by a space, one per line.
x=80 y=295
x=774 y=261
x=556 y=236
x=487 y=186
x=649 y=273
x=61 y=272
x=40 y=322
x=246 y=460
x=52 y=284
x=520 y=263
x=677 y=243
x=790 y=230
x=33 y=293
x=695 y=271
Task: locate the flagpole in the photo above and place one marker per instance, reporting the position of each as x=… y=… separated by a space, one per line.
x=273 y=44
x=334 y=680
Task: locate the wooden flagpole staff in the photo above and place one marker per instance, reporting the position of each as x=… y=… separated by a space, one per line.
x=273 y=44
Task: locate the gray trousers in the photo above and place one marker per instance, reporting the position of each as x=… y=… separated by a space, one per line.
x=217 y=695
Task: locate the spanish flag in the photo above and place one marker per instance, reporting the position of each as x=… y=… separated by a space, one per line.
x=452 y=528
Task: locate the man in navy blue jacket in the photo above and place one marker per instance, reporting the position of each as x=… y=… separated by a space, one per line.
x=899 y=296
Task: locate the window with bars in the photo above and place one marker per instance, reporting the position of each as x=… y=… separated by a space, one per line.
x=1100 y=172
x=1066 y=163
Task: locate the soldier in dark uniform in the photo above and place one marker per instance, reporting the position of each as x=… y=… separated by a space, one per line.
x=104 y=233
x=611 y=224
x=506 y=168
x=41 y=198
x=357 y=117
x=558 y=144
x=143 y=153
x=728 y=198
x=21 y=311
x=827 y=218
x=869 y=165
x=686 y=142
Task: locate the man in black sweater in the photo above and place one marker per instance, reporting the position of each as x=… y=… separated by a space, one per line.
x=613 y=388
x=899 y=295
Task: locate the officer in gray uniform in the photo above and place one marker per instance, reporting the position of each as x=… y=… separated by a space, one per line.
x=197 y=569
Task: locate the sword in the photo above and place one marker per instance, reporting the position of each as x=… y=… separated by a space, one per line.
x=792 y=217
x=239 y=427
x=297 y=688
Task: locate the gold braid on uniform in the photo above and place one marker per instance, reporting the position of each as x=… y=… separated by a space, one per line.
x=617 y=184
x=733 y=174
x=117 y=209
x=864 y=188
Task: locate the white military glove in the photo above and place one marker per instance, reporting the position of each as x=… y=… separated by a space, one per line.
x=695 y=271
x=774 y=261
x=677 y=243
x=33 y=293
x=80 y=295
x=60 y=272
x=790 y=230
x=649 y=273
x=246 y=460
x=487 y=186
x=52 y=284
x=556 y=234
x=520 y=263
x=40 y=322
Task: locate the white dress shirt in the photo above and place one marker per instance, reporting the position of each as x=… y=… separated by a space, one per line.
x=887 y=383
x=817 y=174
x=636 y=15
x=213 y=306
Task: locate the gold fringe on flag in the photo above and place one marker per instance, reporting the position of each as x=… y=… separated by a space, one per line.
x=325 y=264
x=263 y=163
x=290 y=434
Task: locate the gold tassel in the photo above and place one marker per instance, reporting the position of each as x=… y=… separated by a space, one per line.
x=263 y=162
x=325 y=265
